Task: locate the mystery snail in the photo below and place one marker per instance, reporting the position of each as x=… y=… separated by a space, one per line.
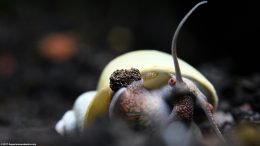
x=146 y=88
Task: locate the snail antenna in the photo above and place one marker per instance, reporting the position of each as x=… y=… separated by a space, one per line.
x=174 y=41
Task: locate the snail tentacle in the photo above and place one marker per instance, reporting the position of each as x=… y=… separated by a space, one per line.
x=208 y=108
x=114 y=100
x=174 y=41
x=184 y=89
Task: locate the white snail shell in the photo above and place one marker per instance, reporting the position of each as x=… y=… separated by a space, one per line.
x=73 y=120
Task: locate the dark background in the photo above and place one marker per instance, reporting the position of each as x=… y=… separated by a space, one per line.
x=36 y=89
x=219 y=29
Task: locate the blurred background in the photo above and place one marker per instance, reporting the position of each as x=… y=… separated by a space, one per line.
x=52 y=51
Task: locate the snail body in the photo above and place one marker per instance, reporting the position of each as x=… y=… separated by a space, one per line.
x=148 y=89
x=141 y=109
x=156 y=69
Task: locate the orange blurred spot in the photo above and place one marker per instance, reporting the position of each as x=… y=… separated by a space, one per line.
x=7 y=65
x=58 y=47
